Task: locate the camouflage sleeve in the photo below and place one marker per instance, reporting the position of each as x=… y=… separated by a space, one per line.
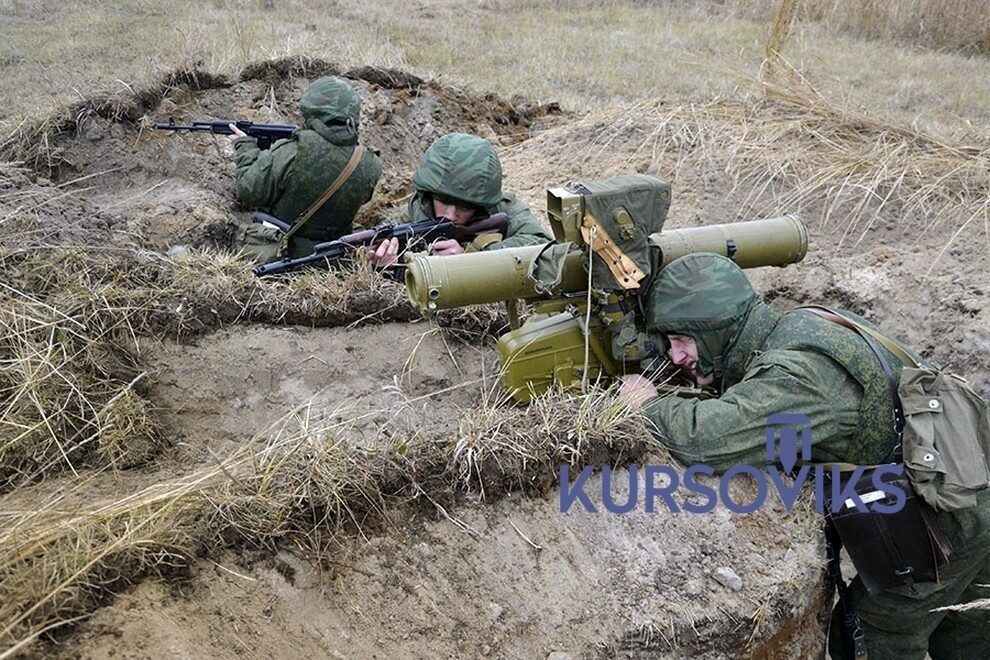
x=262 y=173
x=523 y=228
x=732 y=429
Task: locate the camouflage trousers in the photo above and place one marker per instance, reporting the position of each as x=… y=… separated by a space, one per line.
x=900 y=625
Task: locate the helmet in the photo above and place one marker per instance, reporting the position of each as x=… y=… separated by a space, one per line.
x=464 y=167
x=332 y=101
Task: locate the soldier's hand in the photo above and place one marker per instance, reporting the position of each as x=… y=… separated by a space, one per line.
x=446 y=247
x=386 y=254
x=237 y=133
x=636 y=390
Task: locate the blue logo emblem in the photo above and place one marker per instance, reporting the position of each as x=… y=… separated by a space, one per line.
x=785 y=427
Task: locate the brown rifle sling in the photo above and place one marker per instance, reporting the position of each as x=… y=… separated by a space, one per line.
x=344 y=175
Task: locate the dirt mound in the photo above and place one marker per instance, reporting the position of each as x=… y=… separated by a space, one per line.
x=511 y=580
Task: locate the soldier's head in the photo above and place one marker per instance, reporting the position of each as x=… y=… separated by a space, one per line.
x=700 y=302
x=332 y=101
x=461 y=175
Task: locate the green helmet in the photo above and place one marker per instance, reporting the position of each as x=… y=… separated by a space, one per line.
x=332 y=101
x=461 y=166
x=706 y=297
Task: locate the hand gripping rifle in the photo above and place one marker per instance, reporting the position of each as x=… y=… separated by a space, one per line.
x=264 y=133
x=409 y=235
x=564 y=342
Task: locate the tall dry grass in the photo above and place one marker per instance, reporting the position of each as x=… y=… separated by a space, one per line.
x=953 y=25
x=793 y=150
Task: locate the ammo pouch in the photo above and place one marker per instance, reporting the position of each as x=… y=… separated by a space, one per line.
x=256 y=242
x=888 y=549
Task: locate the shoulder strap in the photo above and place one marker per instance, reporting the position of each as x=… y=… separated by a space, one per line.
x=344 y=175
x=868 y=335
x=886 y=341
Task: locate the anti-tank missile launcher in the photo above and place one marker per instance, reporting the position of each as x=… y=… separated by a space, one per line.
x=616 y=227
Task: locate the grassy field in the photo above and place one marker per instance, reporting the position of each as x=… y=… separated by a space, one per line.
x=585 y=55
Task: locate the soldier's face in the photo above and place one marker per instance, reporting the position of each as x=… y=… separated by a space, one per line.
x=683 y=352
x=459 y=214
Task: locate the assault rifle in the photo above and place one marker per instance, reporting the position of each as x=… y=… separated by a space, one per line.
x=264 y=133
x=423 y=232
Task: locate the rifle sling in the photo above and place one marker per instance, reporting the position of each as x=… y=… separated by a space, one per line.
x=344 y=175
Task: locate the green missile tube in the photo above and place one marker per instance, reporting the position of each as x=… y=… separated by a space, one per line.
x=751 y=244
x=481 y=277
x=435 y=283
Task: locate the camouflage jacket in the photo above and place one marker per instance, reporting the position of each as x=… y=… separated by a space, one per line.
x=767 y=362
x=286 y=179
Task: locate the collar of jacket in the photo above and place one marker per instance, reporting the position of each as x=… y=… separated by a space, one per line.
x=340 y=134
x=753 y=332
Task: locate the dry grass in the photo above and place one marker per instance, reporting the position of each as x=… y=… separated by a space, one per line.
x=793 y=150
x=959 y=25
x=563 y=51
x=312 y=479
x=58 y=559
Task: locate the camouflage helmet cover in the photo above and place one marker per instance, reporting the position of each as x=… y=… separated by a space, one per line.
x=706 y=297
x=332 y=101
x=461 y=166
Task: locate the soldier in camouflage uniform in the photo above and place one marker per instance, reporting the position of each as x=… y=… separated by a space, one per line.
x=762 y=361
x=460 y=178
x=286 y=179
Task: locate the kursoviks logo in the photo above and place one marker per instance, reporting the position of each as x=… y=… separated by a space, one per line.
x=788 y=443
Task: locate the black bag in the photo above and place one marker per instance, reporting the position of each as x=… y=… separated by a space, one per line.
x=889 y=549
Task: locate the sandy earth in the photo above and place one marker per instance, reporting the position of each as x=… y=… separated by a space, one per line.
x=468 y=583
x=233 y=384
x=594 y=585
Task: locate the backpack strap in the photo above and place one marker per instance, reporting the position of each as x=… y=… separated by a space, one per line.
x=886 y=341
x=869 y=334
x=344 y=175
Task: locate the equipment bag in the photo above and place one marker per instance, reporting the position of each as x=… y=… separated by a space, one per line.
x=257 y=242
x=619 y=215
x=946 y=436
